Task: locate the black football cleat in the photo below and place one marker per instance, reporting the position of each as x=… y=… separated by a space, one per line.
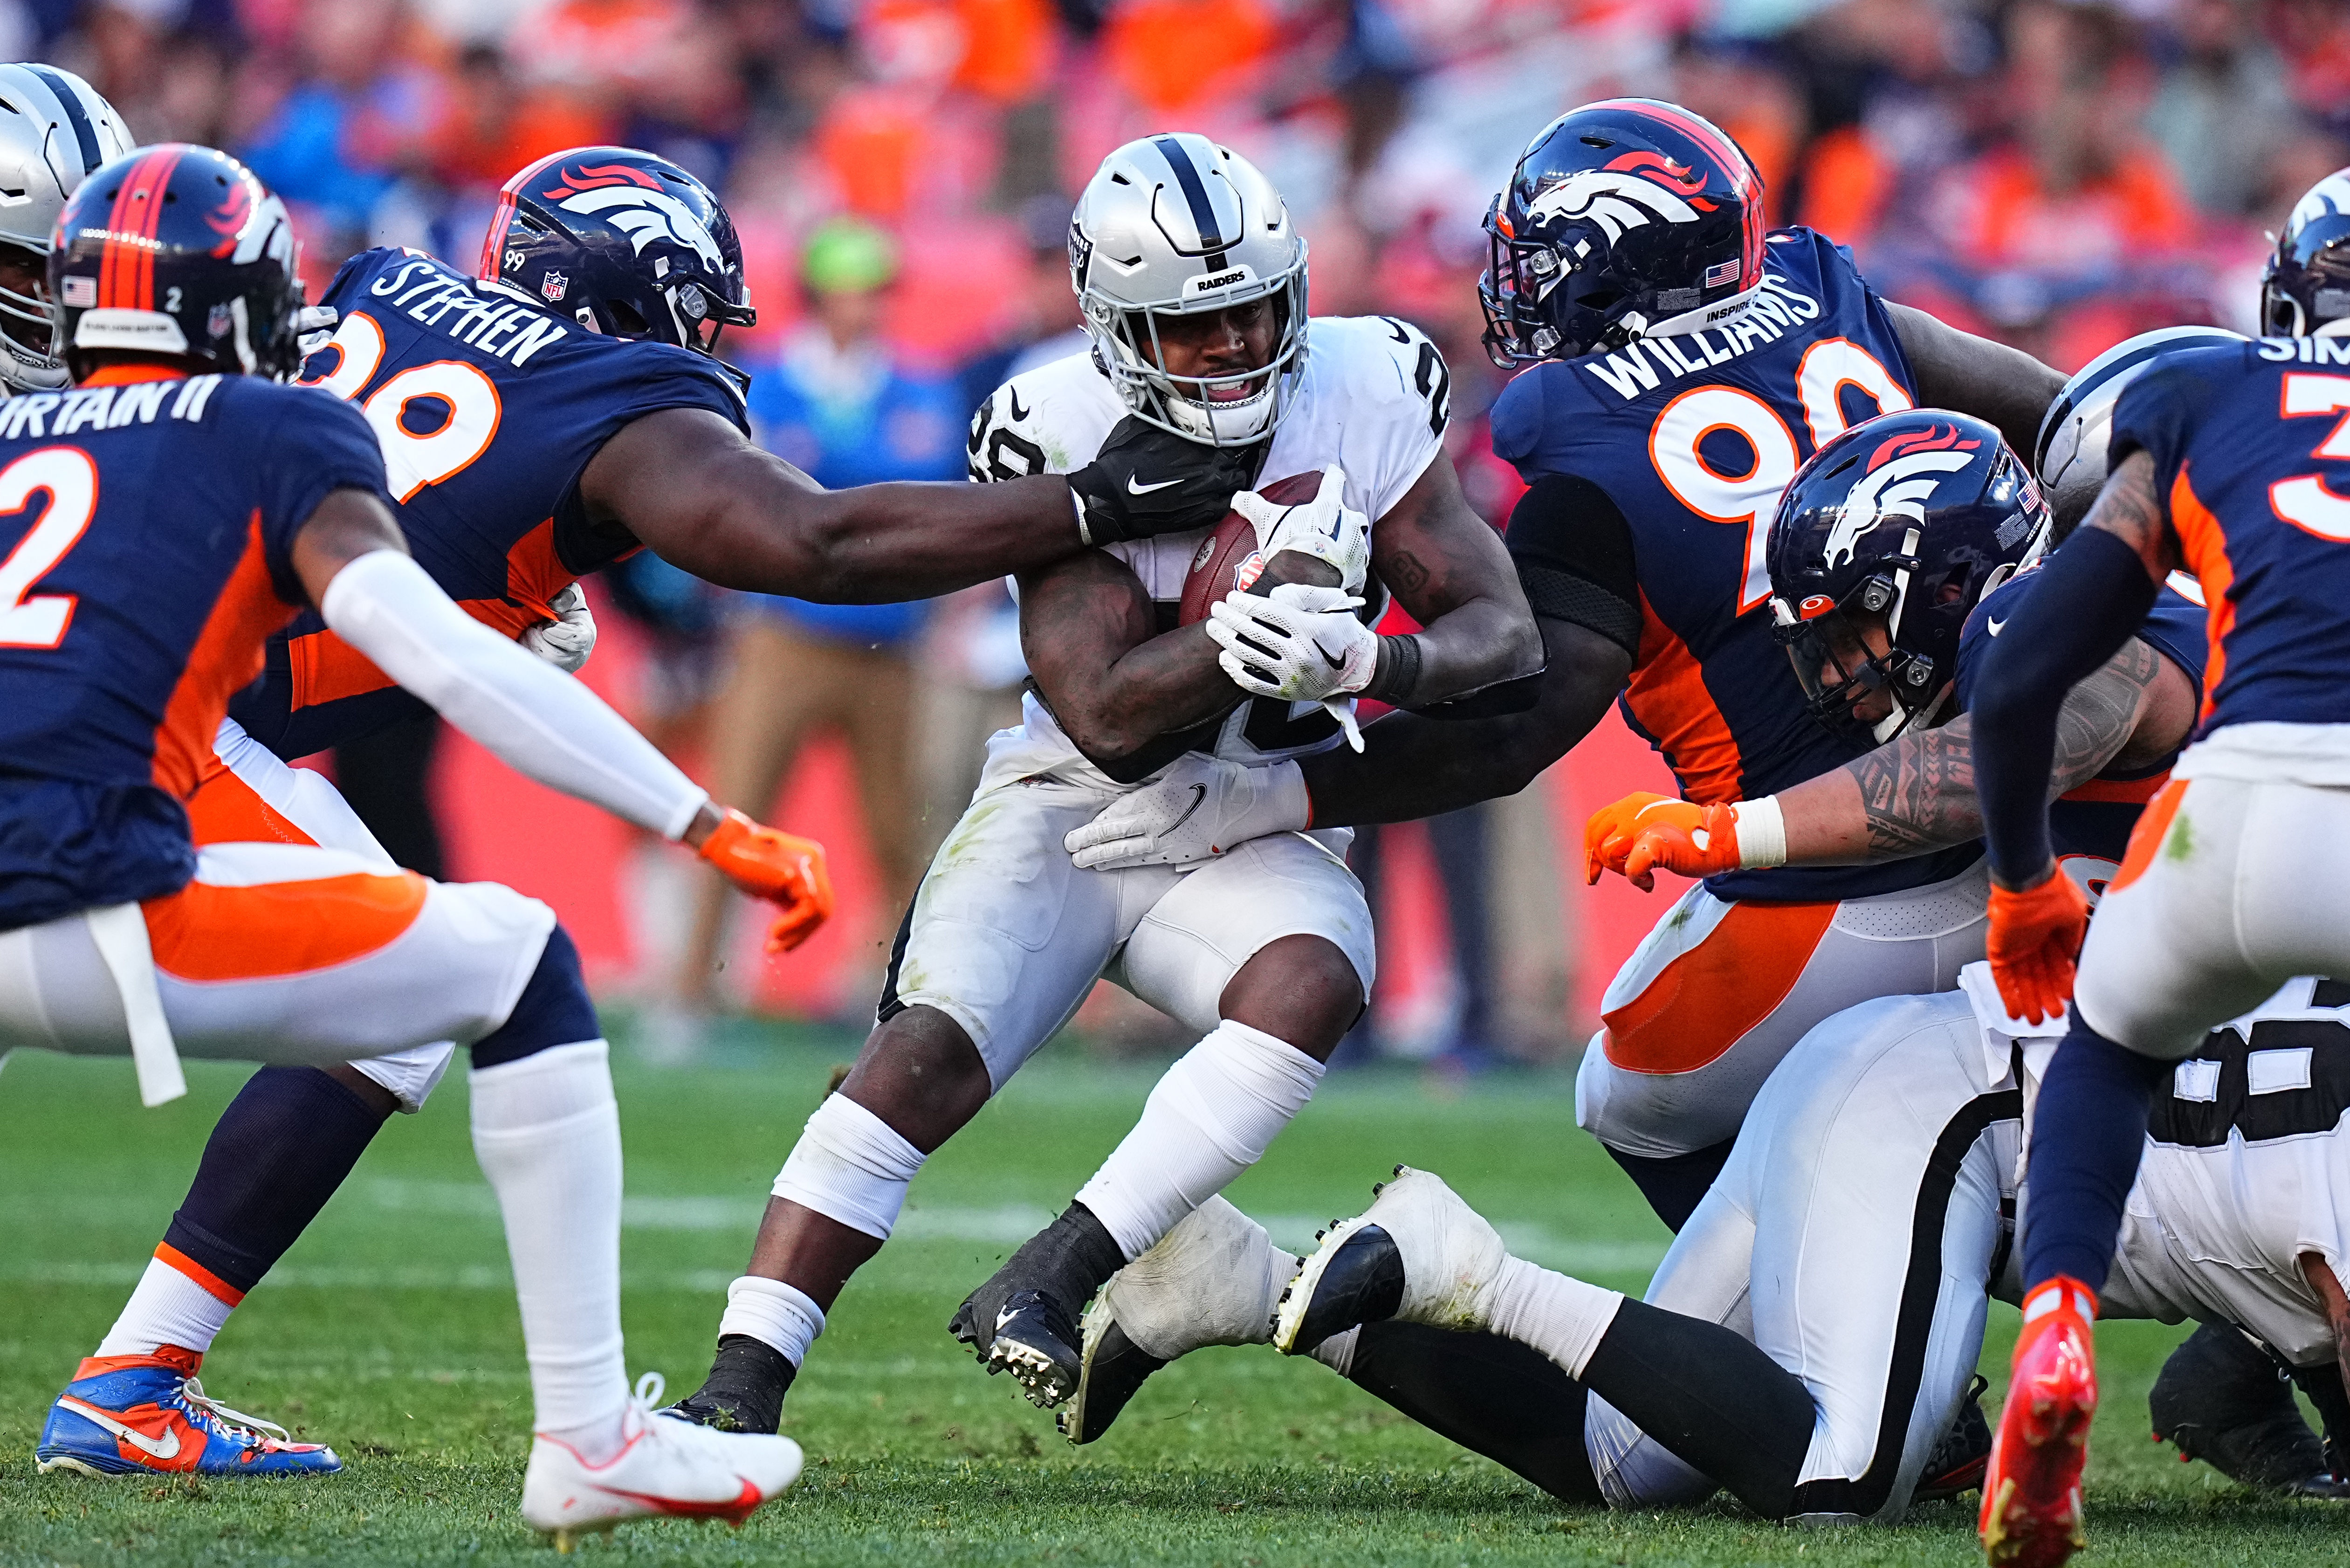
x=1955 y=1466
x=1111 y=1369
x=1021 y=1321
x=2222 y=1399
x=744 y=1391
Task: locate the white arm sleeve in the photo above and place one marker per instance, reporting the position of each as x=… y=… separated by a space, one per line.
x=538 y=720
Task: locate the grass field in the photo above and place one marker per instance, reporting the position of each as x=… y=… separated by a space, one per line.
x=391 y=1331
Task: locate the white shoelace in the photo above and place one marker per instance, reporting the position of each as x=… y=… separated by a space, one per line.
x=193 y=1393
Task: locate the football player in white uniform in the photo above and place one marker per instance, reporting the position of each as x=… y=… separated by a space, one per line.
x=1192 y=284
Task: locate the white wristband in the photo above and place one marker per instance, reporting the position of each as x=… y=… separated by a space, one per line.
x=1762 y=834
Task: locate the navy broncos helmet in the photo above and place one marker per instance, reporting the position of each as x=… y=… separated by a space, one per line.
x=1627 y=218
x=1883 y=544
x=623 y=242
x=2305 y=290
x=177 y=250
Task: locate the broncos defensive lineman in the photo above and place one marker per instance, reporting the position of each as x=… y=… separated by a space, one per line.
x=1683 y=365
x=1192 y=284
x=538 y=422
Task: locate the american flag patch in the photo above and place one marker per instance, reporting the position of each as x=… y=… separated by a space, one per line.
x=1722 y=273
x=80 y=291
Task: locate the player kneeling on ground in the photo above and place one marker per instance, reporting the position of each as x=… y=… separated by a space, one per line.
x=1193 y=288
x=169 y=514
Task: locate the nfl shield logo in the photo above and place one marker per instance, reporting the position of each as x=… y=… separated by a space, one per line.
x=555 y=285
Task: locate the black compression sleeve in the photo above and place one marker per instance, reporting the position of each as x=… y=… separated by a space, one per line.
x=2090 y=600
x=1490 y=1395
x=1573 y=555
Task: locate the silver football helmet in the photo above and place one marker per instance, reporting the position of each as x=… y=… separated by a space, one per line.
x=2075 y=431
x=57 y=130
x=1176 y=226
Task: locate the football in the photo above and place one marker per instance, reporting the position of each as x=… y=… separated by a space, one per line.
x=1226 y=561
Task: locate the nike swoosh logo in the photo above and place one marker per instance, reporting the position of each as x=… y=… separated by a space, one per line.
x=1003 y=1315
x=1199 y=794
x=1994 y=626
x=167 y=1447
x=1339 y=662
x=1134 y=485
x=738 y=1507
x=1018 y=413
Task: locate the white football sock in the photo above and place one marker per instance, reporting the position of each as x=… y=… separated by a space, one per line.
x=547 y=1133
x=169 y=1306
x=774 y=1313
x=1209 y=1118
x=1560 y=1316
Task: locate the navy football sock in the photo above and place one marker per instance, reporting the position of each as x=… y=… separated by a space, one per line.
x=2086 y=1135
x=278 y=1154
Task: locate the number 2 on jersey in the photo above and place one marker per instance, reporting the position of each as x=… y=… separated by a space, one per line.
x=1828 y=367
x=39 y=620
x=412 y=460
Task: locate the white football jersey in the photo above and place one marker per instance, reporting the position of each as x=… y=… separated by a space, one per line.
x=1373 y=398
x=2246 y=1167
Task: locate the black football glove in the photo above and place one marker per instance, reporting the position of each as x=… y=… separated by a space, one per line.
x=1147 y=481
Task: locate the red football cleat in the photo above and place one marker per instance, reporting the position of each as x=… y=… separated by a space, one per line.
x=2031 y=1494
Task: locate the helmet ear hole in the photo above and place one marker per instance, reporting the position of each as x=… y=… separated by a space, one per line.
x=627 y=321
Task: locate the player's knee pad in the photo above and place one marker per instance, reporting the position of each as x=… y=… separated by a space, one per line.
x=850 y=1166
x=553 y=1010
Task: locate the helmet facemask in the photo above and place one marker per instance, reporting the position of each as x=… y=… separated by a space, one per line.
x=29 y=360
x=1843 y=652
x=1129 y=346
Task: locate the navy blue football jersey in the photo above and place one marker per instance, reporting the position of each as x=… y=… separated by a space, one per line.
x=2095 y=819
x=488 y=407
x=145 y=524
x=2245 y=439
x=1692 y=438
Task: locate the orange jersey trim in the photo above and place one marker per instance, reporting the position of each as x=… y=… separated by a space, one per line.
x=1705 y=1001
x=2205 y=546
x=1668 y=696
x=125 y=375
x=171 y=1256
x=228 y=655
x=325 y=669
x=2148 y=835
x=225 y=810
x=2116 y=792
x=209 y=932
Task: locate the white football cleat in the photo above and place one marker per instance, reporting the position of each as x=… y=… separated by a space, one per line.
x=1418 y=1254
x=1214 y=1279
x=665 y=1469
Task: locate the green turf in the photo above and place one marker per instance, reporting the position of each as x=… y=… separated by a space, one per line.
x=390 y=1331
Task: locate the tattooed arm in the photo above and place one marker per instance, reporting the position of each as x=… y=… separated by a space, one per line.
x=1918 y=793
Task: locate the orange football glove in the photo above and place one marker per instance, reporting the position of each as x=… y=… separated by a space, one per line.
x=1643 y=831
x=1607 y=834
x=786 y=869
x=2036 y=936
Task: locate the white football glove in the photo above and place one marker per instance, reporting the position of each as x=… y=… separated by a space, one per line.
x=1197 y=809
x=314 y=328
x=566 y=642
x=1325 y=528
x=1302 y=642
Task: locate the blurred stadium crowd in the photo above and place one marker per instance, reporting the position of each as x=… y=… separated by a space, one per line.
x=2059 y=175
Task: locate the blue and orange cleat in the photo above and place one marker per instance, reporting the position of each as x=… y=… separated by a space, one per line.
x=147 y=1415
x=2031 y=1491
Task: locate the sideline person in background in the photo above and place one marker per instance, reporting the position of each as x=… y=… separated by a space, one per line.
x=839 y=402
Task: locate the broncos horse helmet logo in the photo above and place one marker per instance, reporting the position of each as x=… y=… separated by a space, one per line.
x=636 y=205
x=1902 y=473
x=1638 y=188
